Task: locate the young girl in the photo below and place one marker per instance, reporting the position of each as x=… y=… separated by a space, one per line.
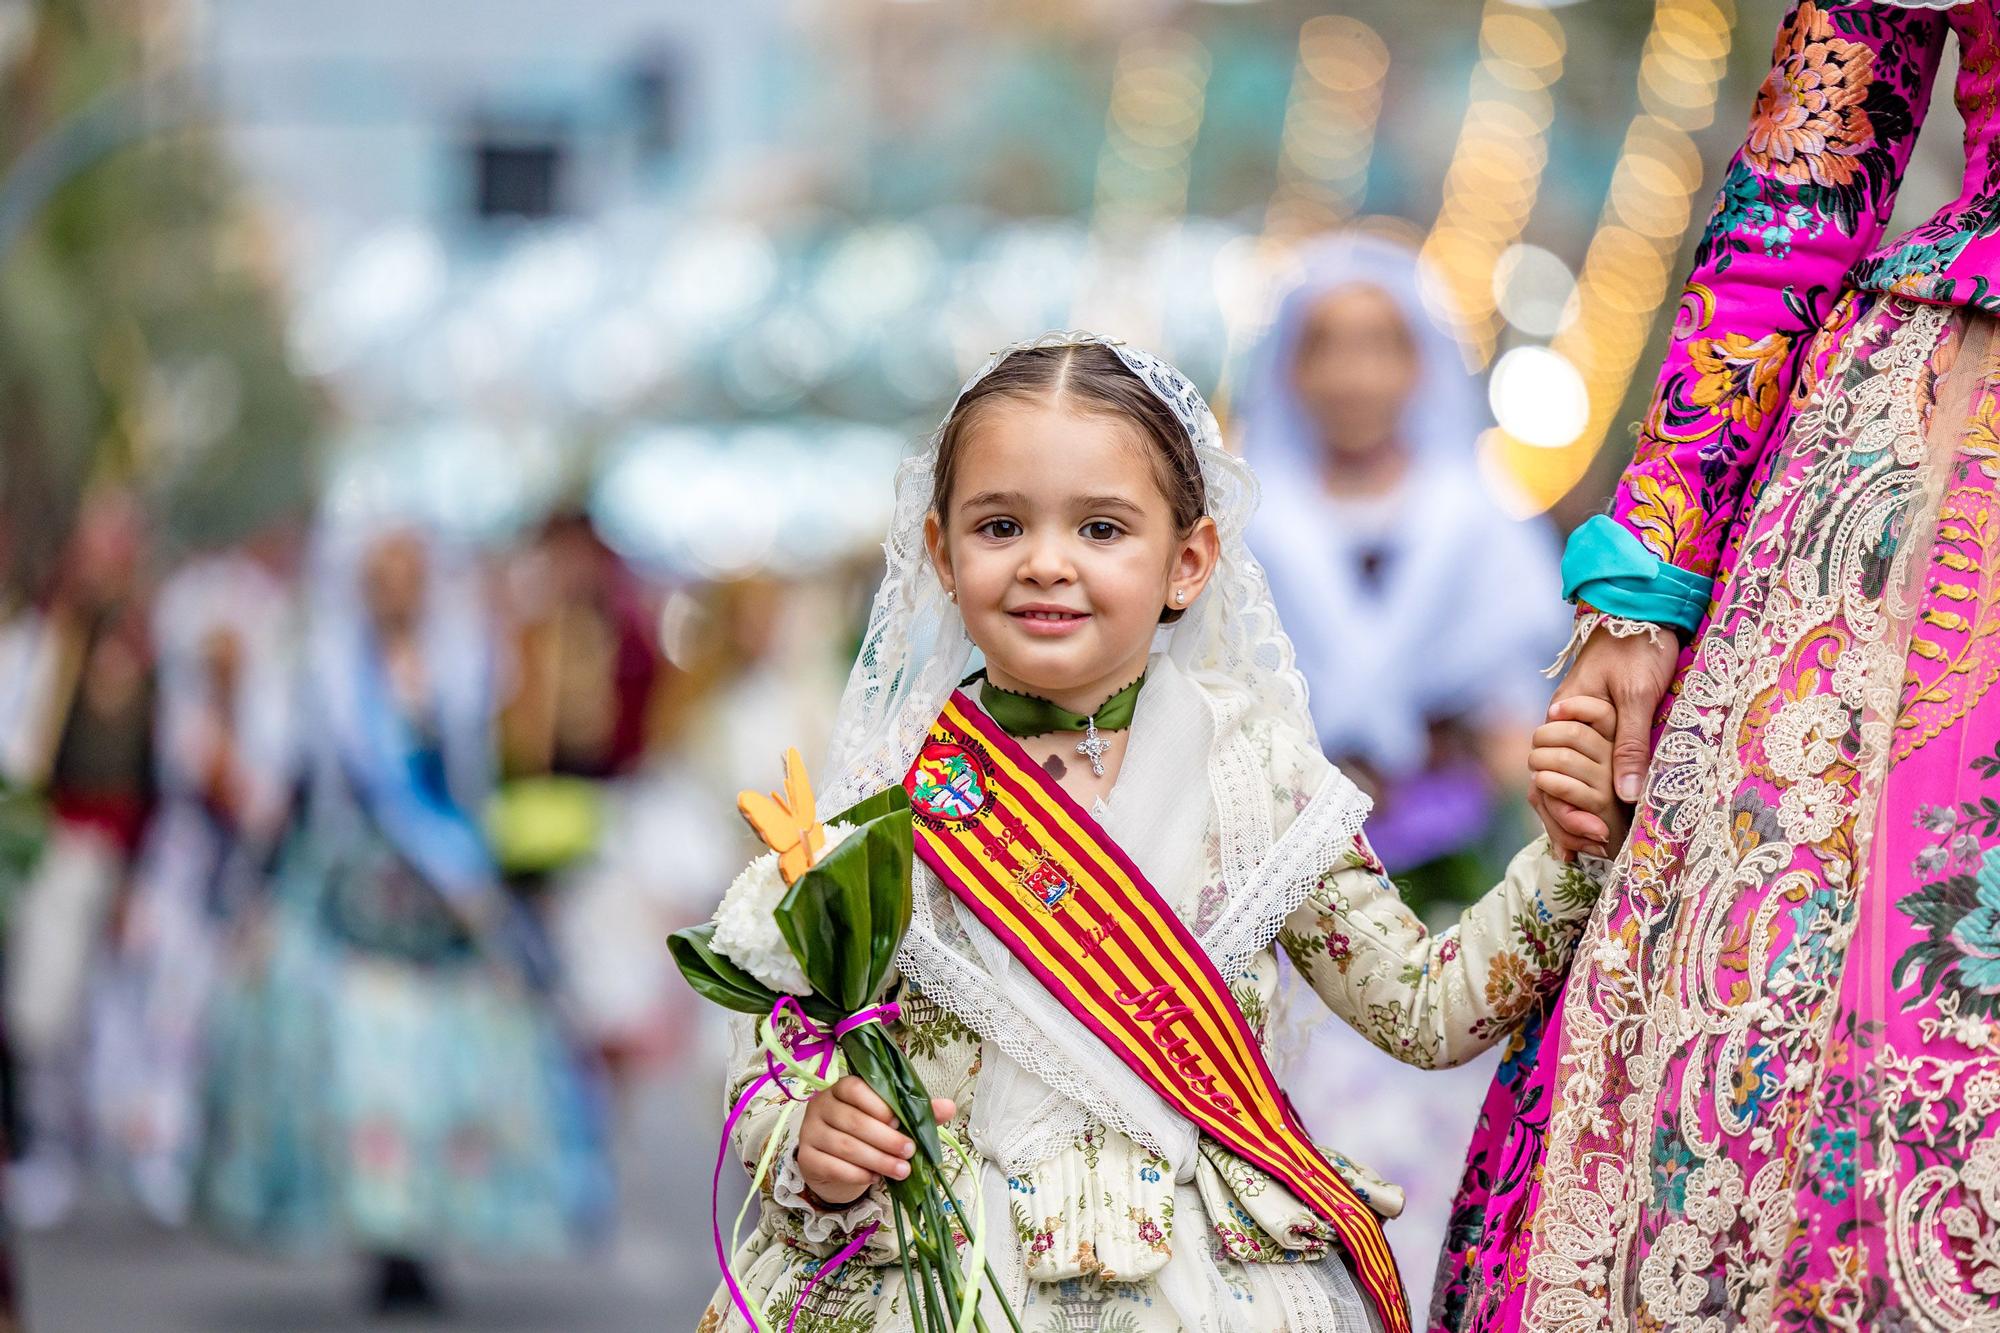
x=1136 y=756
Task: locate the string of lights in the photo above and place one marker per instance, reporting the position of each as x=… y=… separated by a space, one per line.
x=1648 y=210
x=1496 y=166
x=1329 y=134
x=1159 y=93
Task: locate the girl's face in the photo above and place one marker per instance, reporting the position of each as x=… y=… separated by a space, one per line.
x=1062 y=550
x=1355 y=370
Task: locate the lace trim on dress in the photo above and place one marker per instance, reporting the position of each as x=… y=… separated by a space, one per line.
x=1618 y=627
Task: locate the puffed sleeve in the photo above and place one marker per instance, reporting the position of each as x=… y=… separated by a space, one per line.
x=1804 y=198
x=1437 y=1000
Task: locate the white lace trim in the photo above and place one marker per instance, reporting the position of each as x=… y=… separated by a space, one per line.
x=821 y=1225
x=1618 y=627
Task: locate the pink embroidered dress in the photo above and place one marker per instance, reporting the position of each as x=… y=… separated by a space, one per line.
x=1768 y=1096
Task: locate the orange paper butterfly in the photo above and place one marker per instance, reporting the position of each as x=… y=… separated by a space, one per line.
x=788 y=824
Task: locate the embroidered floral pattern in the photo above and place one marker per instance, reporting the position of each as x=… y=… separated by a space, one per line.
x=1737 y=377
x=1810 y=123
x=1800 y=203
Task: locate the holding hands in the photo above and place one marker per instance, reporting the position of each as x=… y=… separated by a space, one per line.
x=1615 y=689
x=849 y=1140
x=1571 y=765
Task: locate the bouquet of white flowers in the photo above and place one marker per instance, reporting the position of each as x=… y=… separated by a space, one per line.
x=805 y=939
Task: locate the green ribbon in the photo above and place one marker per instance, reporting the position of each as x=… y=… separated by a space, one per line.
x=1031 y=715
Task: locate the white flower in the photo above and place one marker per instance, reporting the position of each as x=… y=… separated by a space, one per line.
x=1715 y=1194
x=746 y=927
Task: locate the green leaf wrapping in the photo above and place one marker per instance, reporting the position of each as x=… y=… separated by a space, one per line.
x=844 y=919
x=713 y=976
x=885 y=802
x=881 y=1064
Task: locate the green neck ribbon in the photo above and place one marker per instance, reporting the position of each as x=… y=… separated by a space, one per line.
x=1021 y=715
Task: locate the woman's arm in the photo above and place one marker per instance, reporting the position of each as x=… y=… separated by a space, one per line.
x=1803 y=199
x=1438 y=1000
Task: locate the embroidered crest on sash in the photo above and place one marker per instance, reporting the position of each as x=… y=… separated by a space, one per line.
x=1045 y=881
x=949 y=782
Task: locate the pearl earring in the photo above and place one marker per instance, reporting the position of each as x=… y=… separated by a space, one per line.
x=951 y=595
x=1180 y=596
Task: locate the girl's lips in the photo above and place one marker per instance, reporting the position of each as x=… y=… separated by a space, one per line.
x=1049 y=622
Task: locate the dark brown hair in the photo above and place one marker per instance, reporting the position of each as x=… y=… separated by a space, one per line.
x=1088 y=377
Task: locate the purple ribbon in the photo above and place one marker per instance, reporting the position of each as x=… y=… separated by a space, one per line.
x=811 y=1043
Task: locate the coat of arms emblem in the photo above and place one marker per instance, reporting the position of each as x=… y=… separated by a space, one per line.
x=1045 y=879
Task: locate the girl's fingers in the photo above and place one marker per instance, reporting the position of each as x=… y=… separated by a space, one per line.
x=848 y=1149
x=856 y=1123
x=822 y=1168
x=1562 y=759
x=855 y=1092
x=1574 y=736
x=1598 y=714
x=1582 y=795
x=944 y=1108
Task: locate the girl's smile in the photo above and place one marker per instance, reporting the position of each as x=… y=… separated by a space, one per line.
x=1050 y=621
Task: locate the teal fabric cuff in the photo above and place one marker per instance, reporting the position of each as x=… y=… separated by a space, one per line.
x=1606 y=566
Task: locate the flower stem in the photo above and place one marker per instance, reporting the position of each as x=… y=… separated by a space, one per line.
x=941 y=1232
x=911 y=1293
x=1006 y=1306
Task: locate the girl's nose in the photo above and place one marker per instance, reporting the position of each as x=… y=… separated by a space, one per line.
x=1046 y=562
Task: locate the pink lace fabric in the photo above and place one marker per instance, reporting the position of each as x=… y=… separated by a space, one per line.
x=1769 y=1096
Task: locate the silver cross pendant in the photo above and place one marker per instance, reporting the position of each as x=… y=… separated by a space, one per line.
x=1093 y=747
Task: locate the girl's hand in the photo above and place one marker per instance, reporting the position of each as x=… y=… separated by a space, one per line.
x=1571 y=762
x=1632 y=675
x=849 y=1140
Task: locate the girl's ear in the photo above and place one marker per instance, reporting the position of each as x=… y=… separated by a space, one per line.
x=1194 y=564
x=940 y=553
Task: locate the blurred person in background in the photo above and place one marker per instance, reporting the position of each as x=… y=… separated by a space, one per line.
x=1414 y=600
x=1419 y=614
x=659 y=863
x=80 y=730
x=224 y=626
x=582 y=820
x=586 y=656
x=22 y=827
x=391 y=1071
x=773 y=676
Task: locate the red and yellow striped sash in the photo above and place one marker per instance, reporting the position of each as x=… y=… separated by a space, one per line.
x=1031 y=864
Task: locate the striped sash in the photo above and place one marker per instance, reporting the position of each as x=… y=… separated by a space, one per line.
x=1066 y=900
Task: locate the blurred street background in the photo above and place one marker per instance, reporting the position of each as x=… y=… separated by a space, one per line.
x=444 y=452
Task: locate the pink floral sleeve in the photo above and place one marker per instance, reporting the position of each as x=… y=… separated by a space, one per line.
x=1805 y=197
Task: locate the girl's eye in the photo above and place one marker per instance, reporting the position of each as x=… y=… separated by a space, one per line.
x=1102 y=530
x=999 y=528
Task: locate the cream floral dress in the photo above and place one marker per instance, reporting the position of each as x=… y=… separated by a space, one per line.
x=1094 y=1226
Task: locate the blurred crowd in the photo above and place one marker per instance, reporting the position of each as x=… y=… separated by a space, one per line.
x=338 y=865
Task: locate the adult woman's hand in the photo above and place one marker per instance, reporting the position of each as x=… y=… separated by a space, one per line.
x=1632 y=675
